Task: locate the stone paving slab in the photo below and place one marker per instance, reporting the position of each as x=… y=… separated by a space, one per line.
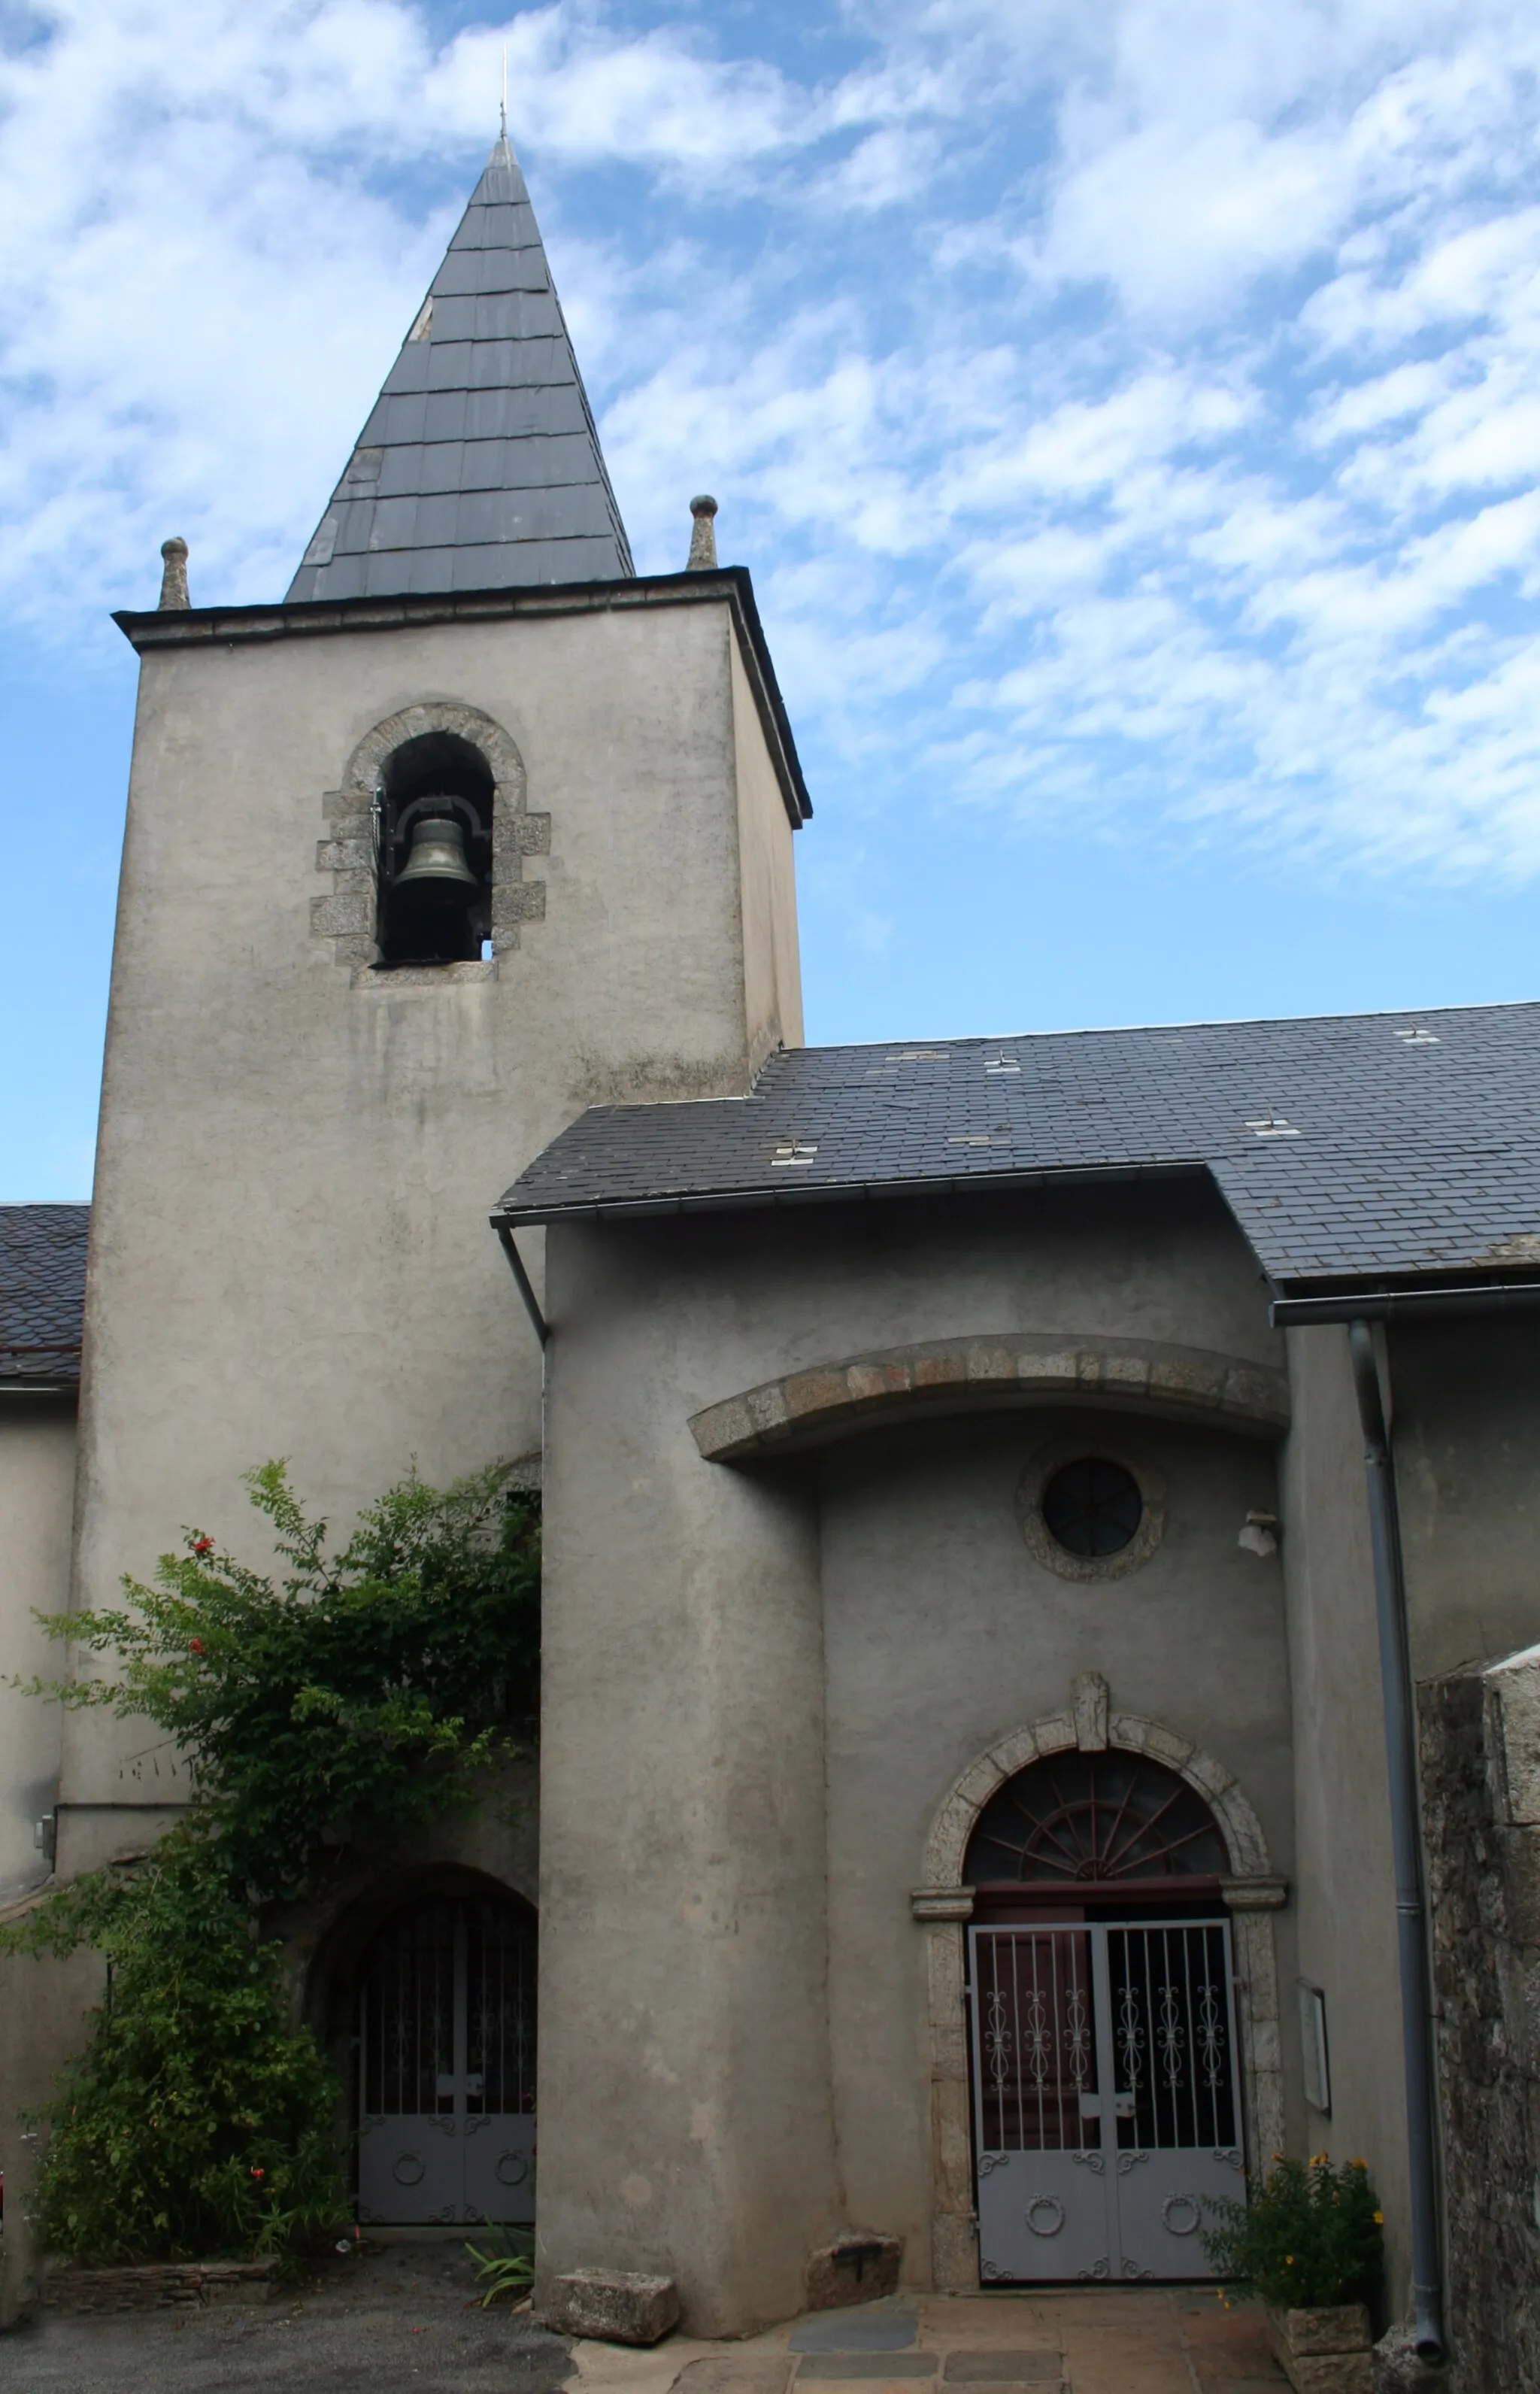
x=407 y=2318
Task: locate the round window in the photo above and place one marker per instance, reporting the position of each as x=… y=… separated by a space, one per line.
x=1092 y=1507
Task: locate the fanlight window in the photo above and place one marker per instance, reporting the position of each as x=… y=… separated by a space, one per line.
x=1094 y=1817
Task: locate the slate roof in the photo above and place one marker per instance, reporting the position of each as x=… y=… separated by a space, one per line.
x=42 y=1293
x=1382 y=1145
x=480 y=466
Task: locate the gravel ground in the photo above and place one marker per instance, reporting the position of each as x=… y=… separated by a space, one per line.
x=404 y=2316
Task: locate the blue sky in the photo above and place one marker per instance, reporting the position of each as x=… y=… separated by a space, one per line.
x=1130 y=415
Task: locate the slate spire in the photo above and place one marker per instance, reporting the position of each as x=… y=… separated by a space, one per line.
x=480 y=466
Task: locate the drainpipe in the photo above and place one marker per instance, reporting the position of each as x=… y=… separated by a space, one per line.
x=1417 y=1992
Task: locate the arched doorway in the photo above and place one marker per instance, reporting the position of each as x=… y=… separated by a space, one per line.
x=1106 y=2063
x=446 y=2064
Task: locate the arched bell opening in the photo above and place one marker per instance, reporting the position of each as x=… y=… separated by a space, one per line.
x=435 y=851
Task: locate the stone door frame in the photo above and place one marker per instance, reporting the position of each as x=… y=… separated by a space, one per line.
x=944 y=1905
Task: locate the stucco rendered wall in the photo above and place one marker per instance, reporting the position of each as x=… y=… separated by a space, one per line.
x=1465 y=1401
x=37 y=1486
x=684 y=2079
x=695 y=1888
x=1347 y=1915
x=772 y=967
x=44 y=2009
x=290 y=1246
x=942 y=1634
x=1464 y=1420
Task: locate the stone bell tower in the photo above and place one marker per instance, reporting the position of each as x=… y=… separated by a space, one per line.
x=475 y=829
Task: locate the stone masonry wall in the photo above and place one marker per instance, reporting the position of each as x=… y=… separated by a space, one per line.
x=1480 y=1768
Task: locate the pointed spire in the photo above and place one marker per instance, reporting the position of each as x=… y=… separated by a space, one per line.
x=480 y=468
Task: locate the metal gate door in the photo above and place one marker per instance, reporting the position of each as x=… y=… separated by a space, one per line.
x=446 y=2067
x=1106 y=2097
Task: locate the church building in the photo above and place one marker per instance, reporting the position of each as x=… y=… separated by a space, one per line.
x=1002 y=1496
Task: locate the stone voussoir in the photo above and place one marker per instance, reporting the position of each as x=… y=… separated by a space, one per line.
x=829 y=1400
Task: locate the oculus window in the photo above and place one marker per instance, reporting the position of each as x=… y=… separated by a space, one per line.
x=1093 y=1507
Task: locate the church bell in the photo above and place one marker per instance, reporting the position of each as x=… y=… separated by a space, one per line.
x=437 y=853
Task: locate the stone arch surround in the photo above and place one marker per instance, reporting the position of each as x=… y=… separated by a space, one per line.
x=346 y=916
x=989 y=1371
x=944 y=1904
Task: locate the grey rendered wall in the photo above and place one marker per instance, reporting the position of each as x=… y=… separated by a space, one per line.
x=772 y=969
x=43 y=2010
x=683 y=2087
x=290 y=1246
x=38 y=1483
x=1464 y=1416
x=691 y=1613
x=1347 y=1919
x=1466 y=1407
x=942 y=1634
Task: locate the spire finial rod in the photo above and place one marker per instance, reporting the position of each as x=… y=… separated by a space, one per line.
x=174 y=578
x=503 y=109
x=703 y=539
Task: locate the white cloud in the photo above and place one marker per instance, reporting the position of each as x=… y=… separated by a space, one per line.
x=1130 y=412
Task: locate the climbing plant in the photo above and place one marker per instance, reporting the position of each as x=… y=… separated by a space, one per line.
x=361 y=1694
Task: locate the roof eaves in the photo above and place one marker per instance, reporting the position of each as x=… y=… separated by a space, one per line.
x=148 y=628
x=765 y=1199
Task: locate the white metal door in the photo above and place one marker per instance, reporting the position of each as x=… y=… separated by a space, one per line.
x=446 y=2068
x=1107 y=2109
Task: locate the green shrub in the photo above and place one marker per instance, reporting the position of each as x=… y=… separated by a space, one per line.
x=1312 y=2237
x=196 y=2122
x=365 y=1692
x=362 y=1695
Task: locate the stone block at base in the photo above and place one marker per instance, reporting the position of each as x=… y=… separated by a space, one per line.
x=160 y=2285
x=1323 y=2351
x=618 y=2305
x=859 y=2268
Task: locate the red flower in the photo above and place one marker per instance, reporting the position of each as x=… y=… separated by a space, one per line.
x=256 y=2173
x=196 y=1647
x=203 y=1545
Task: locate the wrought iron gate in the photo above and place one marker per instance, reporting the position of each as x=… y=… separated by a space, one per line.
x=446 y=2067
x=1107 y=2098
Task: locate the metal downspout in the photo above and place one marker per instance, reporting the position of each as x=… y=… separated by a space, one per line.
x=1417 y=1992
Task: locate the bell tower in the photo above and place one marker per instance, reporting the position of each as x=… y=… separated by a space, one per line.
x=474 y=829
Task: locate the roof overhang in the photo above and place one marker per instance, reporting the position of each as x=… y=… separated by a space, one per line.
x=192 y=627
x=842 y=1192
